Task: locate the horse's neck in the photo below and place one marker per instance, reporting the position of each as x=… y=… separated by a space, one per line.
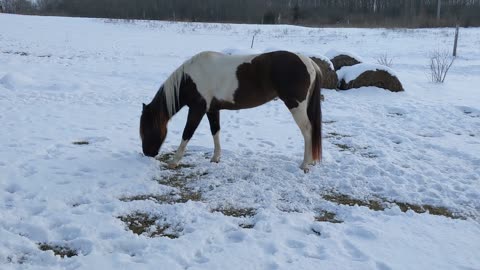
x=160 y=105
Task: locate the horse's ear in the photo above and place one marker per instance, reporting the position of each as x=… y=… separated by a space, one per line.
x=143 y=107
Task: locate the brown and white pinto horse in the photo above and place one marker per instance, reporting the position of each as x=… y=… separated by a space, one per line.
x=211 y=81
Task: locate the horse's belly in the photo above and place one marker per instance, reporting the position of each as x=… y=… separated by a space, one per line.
x=243 y=101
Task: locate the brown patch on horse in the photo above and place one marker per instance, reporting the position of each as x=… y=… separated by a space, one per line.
x=153 y=125
x=276 y=74
x=314 y=112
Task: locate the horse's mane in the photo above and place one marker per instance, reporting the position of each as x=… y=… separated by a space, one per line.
x=171 y=90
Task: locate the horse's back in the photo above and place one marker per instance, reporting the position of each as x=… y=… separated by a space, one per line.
x=215 y=74
x=245 y=81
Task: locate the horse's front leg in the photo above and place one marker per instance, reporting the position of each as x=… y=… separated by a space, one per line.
x=193 y=120
x=214 y=119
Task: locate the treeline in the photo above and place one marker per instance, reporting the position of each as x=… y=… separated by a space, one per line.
x=386 y=13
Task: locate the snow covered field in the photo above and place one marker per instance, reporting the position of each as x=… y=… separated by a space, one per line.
x=73 y=179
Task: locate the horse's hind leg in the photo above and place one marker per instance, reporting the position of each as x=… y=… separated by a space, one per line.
x=214 y=119
x=301 y=118
x=193 y=120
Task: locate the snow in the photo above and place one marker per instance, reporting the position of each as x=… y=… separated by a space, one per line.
x=16 y=80
x=240 y=51
x=332 y=53
x=85 y=80
x=349 y=73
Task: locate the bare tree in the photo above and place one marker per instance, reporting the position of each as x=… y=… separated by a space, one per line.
x=440 y=64
x=386 y=13
x=385 y=60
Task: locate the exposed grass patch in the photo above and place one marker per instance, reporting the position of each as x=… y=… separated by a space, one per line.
x=181 y=197
x=62 y=251
x=182 y=166
x=326 y=216
x=426 y=135
x=147 y=225
x=80 y=142
x=236 y=212
x=167 y=157
x=350 y=201
x=380 y=204
x=329 y=122
x=246 y=225
x=180 y=179
x=432 y=210
x=368 y=155
x=337 y=135
x=17 y=53
x=344 y=147
x=361 y=151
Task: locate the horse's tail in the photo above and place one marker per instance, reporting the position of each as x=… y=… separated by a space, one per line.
x=314 y=112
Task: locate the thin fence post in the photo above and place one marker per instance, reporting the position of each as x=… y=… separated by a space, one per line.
x=455 y=42
x=253 y=37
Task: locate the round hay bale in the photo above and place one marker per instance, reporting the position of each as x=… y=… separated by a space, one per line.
x=342 y=59
x=368 y=75
x=329 y=79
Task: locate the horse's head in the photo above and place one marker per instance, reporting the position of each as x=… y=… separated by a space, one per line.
x=153 y=129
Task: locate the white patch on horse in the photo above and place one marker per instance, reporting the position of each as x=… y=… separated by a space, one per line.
x=301 y=118
x=179 y=154
x=217 y=150
x=311 y=68
x=215 y=74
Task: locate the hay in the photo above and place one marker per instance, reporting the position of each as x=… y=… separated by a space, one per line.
x=329 y=79
x=378 y=78
x=343 y=60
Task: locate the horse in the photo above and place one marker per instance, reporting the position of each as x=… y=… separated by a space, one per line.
x=211 y=81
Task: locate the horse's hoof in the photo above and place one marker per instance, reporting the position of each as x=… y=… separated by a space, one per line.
x=172 y=165
x=305 y=168
x=215 y=159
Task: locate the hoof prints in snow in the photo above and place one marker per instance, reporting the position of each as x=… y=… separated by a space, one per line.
x=380 y=204
x=150 y=225
x=58 y=250
x=474 y=113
